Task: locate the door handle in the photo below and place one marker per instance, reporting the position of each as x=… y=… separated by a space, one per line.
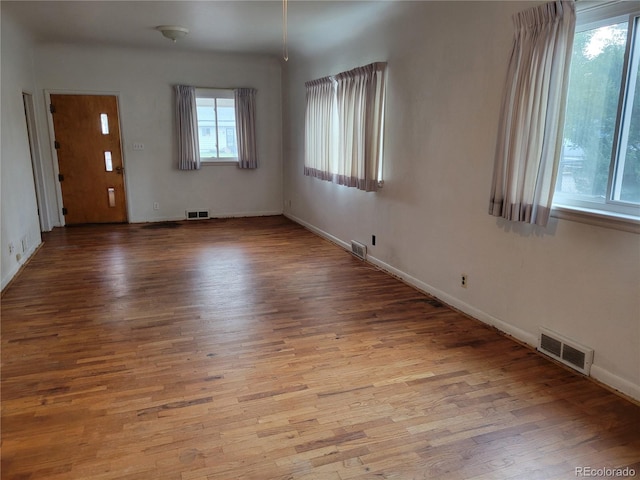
x=119 y=170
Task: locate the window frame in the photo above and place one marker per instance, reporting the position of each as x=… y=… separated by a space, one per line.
x=217 y=93
x=610 y=213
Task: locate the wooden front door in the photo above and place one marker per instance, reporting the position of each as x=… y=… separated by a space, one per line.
x=87 y=136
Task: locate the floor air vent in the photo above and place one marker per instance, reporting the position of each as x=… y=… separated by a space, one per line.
x=358 y=249
x=566 y=351
x=197 y=214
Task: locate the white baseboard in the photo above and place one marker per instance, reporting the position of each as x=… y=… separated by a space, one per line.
x=267 y=213
x=521 y=335
x=611 y=380
x=317 y=231
x=8 y=276
x=158 y=219
x=597 y=373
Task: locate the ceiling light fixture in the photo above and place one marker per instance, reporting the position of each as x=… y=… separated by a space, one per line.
x=172 y=32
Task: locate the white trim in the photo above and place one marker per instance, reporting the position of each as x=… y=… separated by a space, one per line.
x=598 y=373
x=160 y=219
x=44 y=215
x=611 y=380
x=590 y=13
x=265 y=213
x=598 y=218
x=54 y=159
x=212 y=216
x=318 y=231
x=10 y=275
x=216 y=93
x=204 y=92
x=209 y=163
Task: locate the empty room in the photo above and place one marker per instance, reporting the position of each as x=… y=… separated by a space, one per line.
x=320 y=240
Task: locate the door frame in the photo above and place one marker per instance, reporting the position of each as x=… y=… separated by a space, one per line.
x=54 y=153
x=44 y=214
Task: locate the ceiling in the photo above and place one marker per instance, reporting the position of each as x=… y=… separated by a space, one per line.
x=238 y=26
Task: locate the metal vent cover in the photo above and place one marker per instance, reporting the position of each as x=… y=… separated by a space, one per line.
x=551 y=345
x=197 y=214
x=573 y=356
x=565 y=350
x=358 y=249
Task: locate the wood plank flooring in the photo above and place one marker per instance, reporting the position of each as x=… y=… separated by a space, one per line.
x=253 y=349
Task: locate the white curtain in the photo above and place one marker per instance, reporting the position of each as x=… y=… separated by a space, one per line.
x=320 y=129
x=245 y=105
x=360 y=95
x=532 y=115
x=344 y=125
x=187 y=128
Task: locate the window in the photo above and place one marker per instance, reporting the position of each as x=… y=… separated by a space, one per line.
x=599 y=168
x=344 y=125
x=216 y=125
x=108 y=163
x=104 y=123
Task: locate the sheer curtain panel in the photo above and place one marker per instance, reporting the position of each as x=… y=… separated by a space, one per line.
x=245 y=105
x=532 y=114
x=344 y=125
x=320 y=129
x=187 y=128
x=360 y=96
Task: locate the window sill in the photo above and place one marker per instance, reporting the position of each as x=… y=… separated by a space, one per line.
x=221 y=162
x=598 y=218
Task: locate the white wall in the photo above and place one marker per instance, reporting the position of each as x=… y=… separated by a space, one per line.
x=18 y=211
x=446 y=67
x=143 y=81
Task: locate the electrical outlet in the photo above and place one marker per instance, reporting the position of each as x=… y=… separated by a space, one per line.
x=464 y=280
x=156 y=206
x=138 y=146
x=12 y=248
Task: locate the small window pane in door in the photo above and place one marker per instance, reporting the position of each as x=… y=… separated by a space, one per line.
x=108 y=164
x=104 y=123
x=112 y=196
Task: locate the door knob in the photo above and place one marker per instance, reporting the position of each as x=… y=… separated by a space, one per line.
x=119 y=170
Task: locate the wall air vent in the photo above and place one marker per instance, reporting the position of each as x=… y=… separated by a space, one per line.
x=359 y=250
x=197 y=214
x=566 y=351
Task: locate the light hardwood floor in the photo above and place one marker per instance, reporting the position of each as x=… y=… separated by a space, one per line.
x=253 y=349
